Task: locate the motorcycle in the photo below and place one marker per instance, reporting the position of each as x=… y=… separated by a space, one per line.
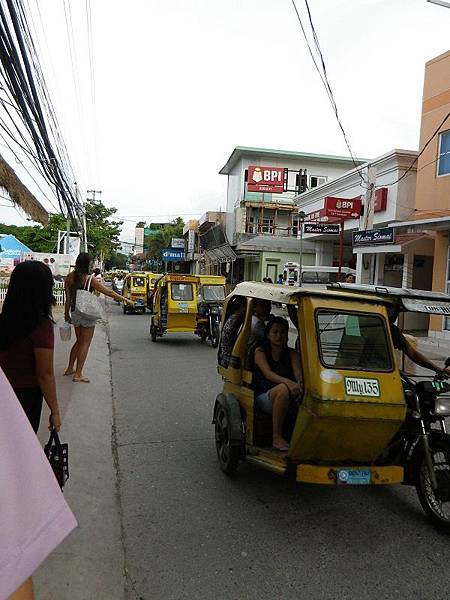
x=208 y=322
x=422 y=445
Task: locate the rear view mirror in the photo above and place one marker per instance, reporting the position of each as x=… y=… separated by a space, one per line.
x=447 y=362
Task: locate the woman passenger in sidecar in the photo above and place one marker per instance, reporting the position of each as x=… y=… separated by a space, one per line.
x=277 y=378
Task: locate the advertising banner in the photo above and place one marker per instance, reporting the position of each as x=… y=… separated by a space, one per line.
x=177 y=243
x=332 y=229
x=59 y=264
x=266 y=179
x=372 y=237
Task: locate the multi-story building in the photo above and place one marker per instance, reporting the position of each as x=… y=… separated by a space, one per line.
x=270 y=211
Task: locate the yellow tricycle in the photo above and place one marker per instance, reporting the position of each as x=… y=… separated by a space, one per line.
x=135 y=289
x=338 y=411
x=174 y=305
x=210 y=298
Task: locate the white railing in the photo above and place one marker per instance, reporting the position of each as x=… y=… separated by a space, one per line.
x=58 y=290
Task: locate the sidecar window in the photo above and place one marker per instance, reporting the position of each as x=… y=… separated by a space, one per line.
x=356 y=341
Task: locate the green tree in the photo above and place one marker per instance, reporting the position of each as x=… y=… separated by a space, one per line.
x=116 y=261
x=103 y=234
x=155 y=243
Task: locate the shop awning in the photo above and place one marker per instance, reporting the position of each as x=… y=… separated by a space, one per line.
x=402 y=241
x=221 y=254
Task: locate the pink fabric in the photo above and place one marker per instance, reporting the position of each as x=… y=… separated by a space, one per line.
x=34 y=517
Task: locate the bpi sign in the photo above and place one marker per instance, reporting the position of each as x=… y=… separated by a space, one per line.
x=343 y=208
x=266 y=179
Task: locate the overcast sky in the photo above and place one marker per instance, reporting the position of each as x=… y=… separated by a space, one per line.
x=179 y=84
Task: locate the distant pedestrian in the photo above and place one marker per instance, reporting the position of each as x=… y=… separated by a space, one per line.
x=79 y=279
x=27 y=340
x=280 y=279
x=349 y=278
x=269 y=280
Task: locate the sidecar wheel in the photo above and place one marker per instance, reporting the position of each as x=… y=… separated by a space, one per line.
x=227 y=454
x=436 y=504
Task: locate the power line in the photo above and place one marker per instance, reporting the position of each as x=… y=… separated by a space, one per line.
x=324 y=78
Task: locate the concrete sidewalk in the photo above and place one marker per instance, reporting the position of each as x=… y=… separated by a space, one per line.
x=89 y=565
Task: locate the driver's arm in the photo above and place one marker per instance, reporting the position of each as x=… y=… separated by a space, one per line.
x=417 y=356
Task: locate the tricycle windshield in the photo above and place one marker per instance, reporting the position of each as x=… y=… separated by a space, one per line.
x=138 y=281
x=354 y=341
x=182 y=291
x=213 y=293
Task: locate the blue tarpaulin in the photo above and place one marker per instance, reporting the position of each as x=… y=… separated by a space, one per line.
x=11 y=247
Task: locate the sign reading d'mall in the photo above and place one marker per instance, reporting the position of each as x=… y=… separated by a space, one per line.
x=373 y=237
x=321 y=228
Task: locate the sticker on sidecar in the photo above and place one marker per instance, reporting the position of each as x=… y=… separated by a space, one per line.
x=357 y=386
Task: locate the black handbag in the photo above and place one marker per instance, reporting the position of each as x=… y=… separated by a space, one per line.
x=58 y=457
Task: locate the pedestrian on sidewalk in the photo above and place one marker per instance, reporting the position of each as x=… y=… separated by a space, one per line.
x=27 y=341
x=80 y=279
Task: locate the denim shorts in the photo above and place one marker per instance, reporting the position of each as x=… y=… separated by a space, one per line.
x=79 y=320
x=263 y=403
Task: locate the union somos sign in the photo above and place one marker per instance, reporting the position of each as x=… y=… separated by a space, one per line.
x=266 y=179
x=373 y=237
x=321 y=228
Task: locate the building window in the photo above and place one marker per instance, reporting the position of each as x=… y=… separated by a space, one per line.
x=316 y=180
x=443 y=167
x=251 y=225
x=267 y=226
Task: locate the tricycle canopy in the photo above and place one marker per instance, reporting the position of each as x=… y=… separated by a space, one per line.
x=406 y=300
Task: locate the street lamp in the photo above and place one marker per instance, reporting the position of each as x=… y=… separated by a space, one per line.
x=301 y=218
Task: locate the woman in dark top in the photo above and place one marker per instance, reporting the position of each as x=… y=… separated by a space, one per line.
x=230 y=330
x=277 y=377
x=27 y=340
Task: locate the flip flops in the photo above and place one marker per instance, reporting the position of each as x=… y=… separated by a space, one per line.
x=81 y=380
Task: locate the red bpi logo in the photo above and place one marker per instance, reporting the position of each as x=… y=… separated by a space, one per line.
x=266 y=179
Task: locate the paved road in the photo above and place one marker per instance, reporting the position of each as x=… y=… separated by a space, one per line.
x=191 y=532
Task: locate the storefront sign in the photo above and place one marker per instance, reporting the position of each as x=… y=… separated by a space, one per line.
x=191 y=240
x=321 y=228
x=171 y=255
x=266 y=179
x=372 y=237
x=342 y=208
x=177 y=243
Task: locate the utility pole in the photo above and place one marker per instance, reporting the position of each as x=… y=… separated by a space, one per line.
x=363 y=275
x=301 y=218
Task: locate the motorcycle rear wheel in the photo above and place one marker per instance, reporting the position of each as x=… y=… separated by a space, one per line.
x=436 y=504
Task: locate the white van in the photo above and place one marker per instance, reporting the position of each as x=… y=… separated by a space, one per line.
x=316 y=275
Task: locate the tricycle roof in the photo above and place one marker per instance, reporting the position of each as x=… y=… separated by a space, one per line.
x=411 y=300
x=289 y=294
x=172 y=277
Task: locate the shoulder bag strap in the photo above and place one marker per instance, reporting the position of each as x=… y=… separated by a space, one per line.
x=87 y=285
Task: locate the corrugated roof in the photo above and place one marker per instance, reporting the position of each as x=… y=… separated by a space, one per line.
x=240 y=151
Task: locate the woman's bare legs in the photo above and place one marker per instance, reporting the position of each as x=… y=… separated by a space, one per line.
x=279 y=396
x=84 y=341
x=73 y=354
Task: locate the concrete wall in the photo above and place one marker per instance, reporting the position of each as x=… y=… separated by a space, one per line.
x=433 y=192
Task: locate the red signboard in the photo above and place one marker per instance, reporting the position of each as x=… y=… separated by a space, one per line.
x=342 y=208
x=266 y=179
x=380 y=199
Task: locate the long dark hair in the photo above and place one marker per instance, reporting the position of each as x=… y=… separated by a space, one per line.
x=82 y=265
x=274 y=321
x=29 y=299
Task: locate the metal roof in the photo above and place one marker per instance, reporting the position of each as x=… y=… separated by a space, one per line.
x=284 y=294
x=240 y=151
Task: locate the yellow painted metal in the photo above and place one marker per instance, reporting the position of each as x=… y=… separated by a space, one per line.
x=211 y=279
x=332 y=426
x=322 y=474
x=268 y=462
x=133 y=292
